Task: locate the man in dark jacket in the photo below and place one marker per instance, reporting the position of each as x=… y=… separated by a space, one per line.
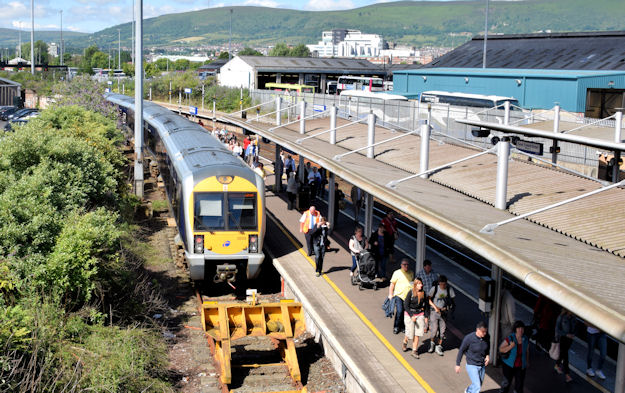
x=379 y=243
x=320 y=243
x=476 y=347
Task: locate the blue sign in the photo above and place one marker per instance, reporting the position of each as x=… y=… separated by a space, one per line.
x=226 y=244
x=319 y=108
x=187 y=90
x=193 y=110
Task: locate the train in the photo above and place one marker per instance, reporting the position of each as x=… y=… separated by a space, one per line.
x=217 y=200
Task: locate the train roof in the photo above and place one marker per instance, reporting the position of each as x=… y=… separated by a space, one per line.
x=191 y=148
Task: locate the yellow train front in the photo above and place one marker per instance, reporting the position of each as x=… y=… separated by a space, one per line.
x=228 y=225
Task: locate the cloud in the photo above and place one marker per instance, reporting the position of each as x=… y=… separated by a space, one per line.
x=329 y=5
x=262 y=3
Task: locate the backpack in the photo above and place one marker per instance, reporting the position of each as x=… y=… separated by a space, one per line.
x=450 y=303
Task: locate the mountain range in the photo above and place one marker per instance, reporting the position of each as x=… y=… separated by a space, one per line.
x=415 y=23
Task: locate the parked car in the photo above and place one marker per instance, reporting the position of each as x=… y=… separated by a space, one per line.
x=21 y=113
x=4 y=113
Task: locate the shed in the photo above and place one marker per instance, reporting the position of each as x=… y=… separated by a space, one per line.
x=593 y=93
x=8 y=90
x=255 y=71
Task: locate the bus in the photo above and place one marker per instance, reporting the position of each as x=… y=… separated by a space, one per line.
x=288 y=87
x=466 y=99
x=364 y=83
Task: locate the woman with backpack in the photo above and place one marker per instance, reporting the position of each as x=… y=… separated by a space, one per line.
x=416 y=312
x=514 y=352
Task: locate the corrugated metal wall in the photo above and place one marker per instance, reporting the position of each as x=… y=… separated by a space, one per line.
x=533 y=91
x=7 y=92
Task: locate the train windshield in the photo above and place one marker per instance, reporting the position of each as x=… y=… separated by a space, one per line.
x=208 y=211
x=241 y=210
x=229 y=211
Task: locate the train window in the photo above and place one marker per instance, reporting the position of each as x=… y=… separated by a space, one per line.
x=241 y=211
x=208 y=211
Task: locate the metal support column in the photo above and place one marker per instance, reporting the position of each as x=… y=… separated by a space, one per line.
x=278 y=111
x=371 y=135
x=556 y=129
x=301 y=172
x=331 y=200
x=214 y=112
x=368 y=214
x=616 y=169
x=503 y=155
x=493 y=321
x=302 y=117
x=506 y=113
x=619 y=383
x=420 y=252
x=278 y=169
x=138 y=100
x=333 y=111
x=424 y=158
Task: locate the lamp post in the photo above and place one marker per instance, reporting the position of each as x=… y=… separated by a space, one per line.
x=32 y=37
x=230 y=39
x=485 y=36
x=61 y=62
x=119 y=49
x=139 y=99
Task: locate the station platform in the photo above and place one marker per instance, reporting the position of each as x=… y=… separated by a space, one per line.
x=354 y=321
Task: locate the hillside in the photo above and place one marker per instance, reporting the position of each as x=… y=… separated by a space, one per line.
x=415 y=23
x=10 y=37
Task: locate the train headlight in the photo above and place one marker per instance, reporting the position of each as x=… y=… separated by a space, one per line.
x=198 y=244
x=253 y=243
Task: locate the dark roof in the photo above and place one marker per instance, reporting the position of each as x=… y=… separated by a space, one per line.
x=313 y=64
x=214 y=65
x=564 y=51
x=8 y=82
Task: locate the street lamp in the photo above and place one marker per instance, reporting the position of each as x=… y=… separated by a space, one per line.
x=32 y=37
x=485 y=36
x=62 y=38
x=119 y=49
x=230 y=39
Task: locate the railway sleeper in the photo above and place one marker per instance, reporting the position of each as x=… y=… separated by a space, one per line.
x=226 y=322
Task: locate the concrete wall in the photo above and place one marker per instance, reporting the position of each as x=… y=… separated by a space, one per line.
x=237 y=73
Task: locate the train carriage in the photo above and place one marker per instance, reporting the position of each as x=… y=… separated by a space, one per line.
x=217 y=200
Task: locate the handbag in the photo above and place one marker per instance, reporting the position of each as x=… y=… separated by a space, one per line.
x=554 y=351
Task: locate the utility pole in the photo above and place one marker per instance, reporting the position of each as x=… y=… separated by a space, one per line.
x=230 y=39
x=133 y=33
x=61 y=63
x=139 y=100
x=109 y=56
x=19 y=45
x=32 y=37
x=119 y=49
x=485 y=36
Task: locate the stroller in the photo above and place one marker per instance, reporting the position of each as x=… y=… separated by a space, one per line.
x=365 y=275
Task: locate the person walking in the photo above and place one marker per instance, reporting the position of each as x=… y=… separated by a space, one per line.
x=515 y=358
x=357 y=197
x=357 y=244
x=416 y=311
x=390 y=227
x=475 y=346
x=307 y=222
x=320 y=243
x=378 y=241
x=401 y=284
x=427 y=275
x=441 y=303
x=595 y=337
x=565 y=332
x=291 y=190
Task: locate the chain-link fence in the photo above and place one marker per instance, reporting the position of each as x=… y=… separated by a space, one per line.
x=409 y=115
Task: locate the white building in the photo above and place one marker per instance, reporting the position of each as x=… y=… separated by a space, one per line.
x=53 y=50
x=347 y=43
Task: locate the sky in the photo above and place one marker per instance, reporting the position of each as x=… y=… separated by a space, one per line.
x=93 y=15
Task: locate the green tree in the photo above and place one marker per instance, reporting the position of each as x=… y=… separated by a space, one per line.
x=128 y=68
x=300 y=50
x=280 y=50
x=41 y=52
x=247 y=51
x=180 y=65
x=224 y=55
x=99 y=60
